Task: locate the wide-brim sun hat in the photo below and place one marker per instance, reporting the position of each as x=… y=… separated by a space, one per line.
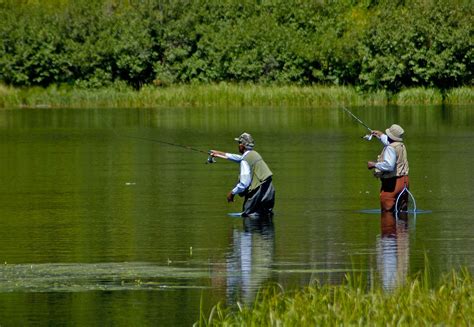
x=395 y=132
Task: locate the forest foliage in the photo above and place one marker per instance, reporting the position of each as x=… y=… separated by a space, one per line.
x=371 y=44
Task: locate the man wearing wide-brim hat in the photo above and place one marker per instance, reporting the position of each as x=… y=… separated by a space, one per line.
x=392 y=168
x=255 y=179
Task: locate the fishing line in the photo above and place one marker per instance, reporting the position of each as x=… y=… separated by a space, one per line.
x=164 y=142
x=210 y=159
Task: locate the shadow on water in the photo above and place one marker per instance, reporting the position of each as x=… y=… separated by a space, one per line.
x=410 y=211
x=249 y=262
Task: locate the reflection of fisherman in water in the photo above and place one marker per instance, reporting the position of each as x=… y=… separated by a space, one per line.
x=393 y=250
x=255 y=179
x=392 y=168
x=249 y=263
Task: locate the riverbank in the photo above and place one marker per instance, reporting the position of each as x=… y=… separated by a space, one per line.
x=222 y=95
x=415 y=303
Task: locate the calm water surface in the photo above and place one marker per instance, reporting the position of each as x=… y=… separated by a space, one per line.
x=99 y=227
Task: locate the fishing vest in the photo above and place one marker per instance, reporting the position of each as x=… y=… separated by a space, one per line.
x=401 y=166
x=260 y=170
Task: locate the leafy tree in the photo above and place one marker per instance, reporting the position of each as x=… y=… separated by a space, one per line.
x=371 y=44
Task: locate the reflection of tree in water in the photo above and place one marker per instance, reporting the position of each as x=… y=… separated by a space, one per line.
x=249 y=262
x=393 y=250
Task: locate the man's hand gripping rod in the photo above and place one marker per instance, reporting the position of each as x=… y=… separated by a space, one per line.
x=367 y=137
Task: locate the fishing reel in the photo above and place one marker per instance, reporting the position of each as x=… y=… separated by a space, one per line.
x=367 y=137
x=210 y=159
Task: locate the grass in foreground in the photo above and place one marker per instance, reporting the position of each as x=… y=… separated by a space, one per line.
x=413 y=304
x=219 y=95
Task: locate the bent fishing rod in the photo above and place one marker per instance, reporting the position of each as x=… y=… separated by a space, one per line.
x=210 y=159
x=367 y=137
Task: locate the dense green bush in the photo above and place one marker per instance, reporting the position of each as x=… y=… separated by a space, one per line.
x=426 y=43
x=369 y=44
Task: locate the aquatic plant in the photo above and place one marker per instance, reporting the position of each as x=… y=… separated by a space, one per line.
x=216 y=95
x=450 y=303
x=418 y=96
x=460 y=95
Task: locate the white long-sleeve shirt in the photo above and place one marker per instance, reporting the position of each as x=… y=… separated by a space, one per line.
x=389 y=158
x=234 y=157
x=245 y=172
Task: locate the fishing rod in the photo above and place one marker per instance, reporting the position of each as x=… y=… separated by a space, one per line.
x=210 y=159
x=405 y=189
x=367 y=137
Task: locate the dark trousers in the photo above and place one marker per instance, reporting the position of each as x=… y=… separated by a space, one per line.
x=260 y=201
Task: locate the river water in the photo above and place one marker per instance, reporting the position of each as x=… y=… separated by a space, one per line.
x=103 y=224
